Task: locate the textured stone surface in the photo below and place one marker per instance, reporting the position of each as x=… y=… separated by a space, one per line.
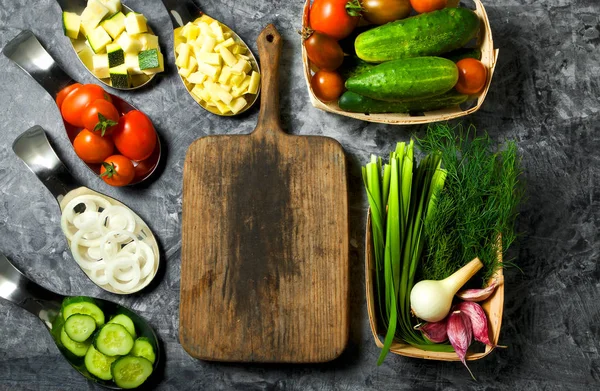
x=545 y=94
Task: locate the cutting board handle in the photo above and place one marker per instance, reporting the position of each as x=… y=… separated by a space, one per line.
x=269 y=49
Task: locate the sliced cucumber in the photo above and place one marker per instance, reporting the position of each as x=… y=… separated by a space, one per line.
x=98 y=364
x=113 y=340
x=130 y=371
x=77 y=348
x=143 y=348
x=79 y=327
x=82 y=305
x=126 y=322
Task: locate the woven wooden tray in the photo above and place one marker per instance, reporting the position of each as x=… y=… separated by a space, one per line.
x=489 y=56
x=493 y=308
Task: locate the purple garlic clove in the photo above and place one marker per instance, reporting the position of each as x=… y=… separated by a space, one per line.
x=478 y=294
x=460 y=335
x=478 y=320
x=435 y=331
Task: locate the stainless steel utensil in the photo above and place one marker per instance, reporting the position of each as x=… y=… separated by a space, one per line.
x=182 y=12
x=45 y=304
x=36 y=152
x=77 y=6
x=26 y=51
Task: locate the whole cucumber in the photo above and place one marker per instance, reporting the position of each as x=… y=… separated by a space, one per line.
x=428 y=34
x=355 y=103
x=406 y=79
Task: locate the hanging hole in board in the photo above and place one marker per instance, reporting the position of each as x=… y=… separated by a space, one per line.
x=270 y=37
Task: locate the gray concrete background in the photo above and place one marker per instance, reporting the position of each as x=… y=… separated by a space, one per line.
x=545 y=94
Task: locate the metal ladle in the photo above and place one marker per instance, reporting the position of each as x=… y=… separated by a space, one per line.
x=36 y=152
x=45 y=304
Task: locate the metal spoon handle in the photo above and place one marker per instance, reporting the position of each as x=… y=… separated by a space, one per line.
x=33 y=147
x=182 y=12
x=26 y=51
x=20 y=290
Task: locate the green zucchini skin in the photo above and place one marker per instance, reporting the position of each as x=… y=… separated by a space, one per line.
x=406 y=79
x=355 y=103
x=428 y=34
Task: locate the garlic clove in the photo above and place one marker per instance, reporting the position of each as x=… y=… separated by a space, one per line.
x=478 y=294
x=460 y=335
x=435 y=331
x=478 y=320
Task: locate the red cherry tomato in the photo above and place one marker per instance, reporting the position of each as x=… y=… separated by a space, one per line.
x=323 y=51
x=422 y=6
x=91 y=147
x=62 y=94
x=100 y=116
x=117 y=170
x=74 y=104
x=336 y=18
x=135 y=136
x=472 y=76
x=327 y=85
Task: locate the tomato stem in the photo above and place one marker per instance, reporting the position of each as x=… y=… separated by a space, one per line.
x=354 y=8
x=103 y=124
x=305 y=33
x=110 y=170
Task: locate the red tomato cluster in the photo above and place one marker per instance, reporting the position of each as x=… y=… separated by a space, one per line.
x=104 y=130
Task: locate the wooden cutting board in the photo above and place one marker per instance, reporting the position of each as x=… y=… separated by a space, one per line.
x=264 y=260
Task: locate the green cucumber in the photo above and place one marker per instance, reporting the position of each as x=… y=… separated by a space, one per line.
x=113 y=340
x=427 y=34
x=355 y=103
x=353 y=66
x=77 y=348
x=82 y=305
x=462 y=53
x=406 y=79
x=80 y=327
x=143 y=348
x=98 y=364
x=126 y=322
x=130 y=371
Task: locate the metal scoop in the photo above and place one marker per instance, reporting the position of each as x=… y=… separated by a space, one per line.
x=182 y=12
x=77 y=6
x=45 y=304
x=26 y=51
x=36 y=152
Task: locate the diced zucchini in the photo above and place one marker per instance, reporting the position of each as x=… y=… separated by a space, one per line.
x=126 y=322
x=98 y=364
x=87 y=57
x=149 y=41
x=113 y=6
x=113 y=340
x=131 y=371
x=119 y=78
x=98 y=39
x=237 y=104
x=209 y=58
x=79 y=44
x=116 y=56
x=71 y=23
x=100 y=66
x=79 y=327
x=129 y=44
x=254 y=83
x=115 y=25
x=135 y=23
x=82 y=305
x=148 y=59
x=159 y=68
x=93 y=14
x=228 y=57
x=132 y=63
x=77 y=348
x=143 y=348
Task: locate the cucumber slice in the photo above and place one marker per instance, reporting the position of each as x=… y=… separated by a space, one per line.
x=79 y=327
x=113 y=340
x=82 y=305
x=130 y=371
x=77 y=348
x=124 y=321
x=143 y=348
x=98 y=364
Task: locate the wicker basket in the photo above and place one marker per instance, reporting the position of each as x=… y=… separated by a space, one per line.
x=489 y=55
x=493 y=308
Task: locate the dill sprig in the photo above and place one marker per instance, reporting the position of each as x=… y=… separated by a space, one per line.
x=477 y=204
